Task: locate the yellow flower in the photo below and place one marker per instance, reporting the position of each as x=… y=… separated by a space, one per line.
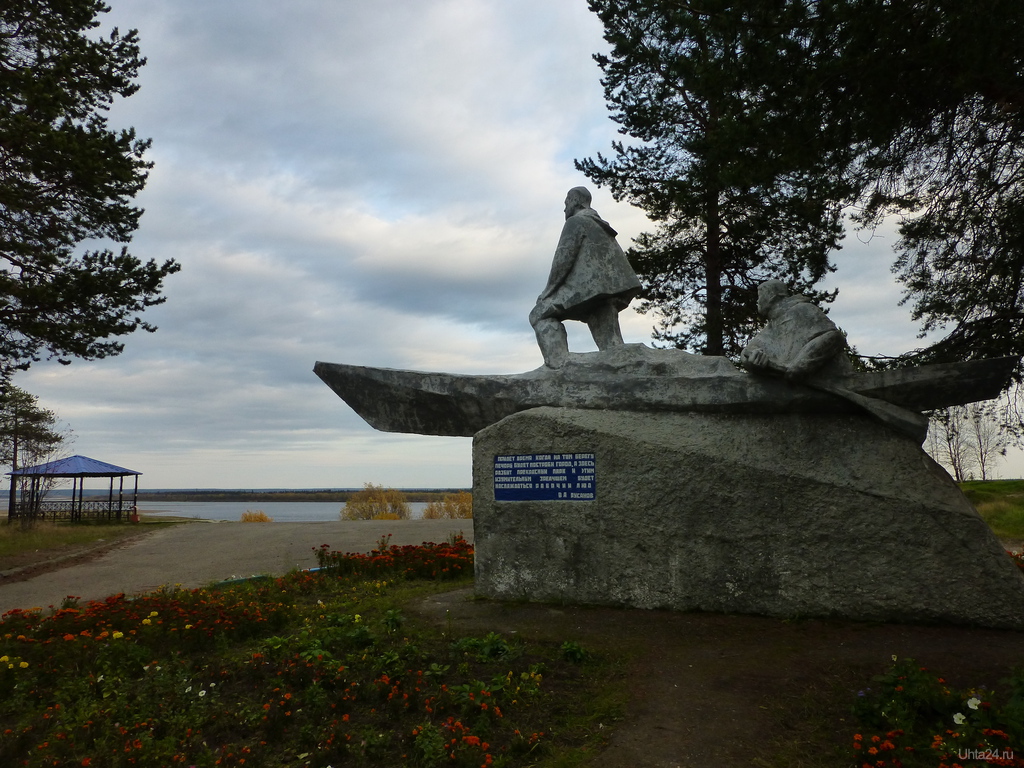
x=188 y=626
x=146 y=621
x=152 y=614
x=4 y=659
x=117 y=635
x=24 y=665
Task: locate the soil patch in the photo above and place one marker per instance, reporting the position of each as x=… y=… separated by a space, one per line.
x=716 y=690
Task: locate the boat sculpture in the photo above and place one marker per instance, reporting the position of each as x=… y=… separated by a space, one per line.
x=634 y=377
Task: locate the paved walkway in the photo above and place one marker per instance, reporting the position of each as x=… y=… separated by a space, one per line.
x=195 y=554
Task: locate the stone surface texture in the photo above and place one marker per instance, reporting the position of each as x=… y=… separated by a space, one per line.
x=779 y=515
x=635 y=377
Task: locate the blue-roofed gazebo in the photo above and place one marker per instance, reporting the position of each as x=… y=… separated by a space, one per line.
x=31 y=504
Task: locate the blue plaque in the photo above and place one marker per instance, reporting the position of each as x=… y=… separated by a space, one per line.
x=545 y=477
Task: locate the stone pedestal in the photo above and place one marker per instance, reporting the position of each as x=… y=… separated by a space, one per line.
x=781 y=515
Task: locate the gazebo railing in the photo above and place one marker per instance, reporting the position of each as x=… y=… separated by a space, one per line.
x=67 y=509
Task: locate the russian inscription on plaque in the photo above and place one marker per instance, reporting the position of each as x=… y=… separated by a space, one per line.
x=545 y=477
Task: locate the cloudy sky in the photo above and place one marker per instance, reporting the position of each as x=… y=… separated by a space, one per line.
x=369 y=183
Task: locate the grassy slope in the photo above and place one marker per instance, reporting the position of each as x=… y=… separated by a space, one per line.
x=15 y=539
x=45 y=541
x=1001 y=503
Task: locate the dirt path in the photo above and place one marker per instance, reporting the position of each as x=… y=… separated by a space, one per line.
x=732 y=691
x=195 y=554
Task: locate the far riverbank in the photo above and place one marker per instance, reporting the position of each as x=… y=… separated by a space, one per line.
x=231 y=511
x=419 y=495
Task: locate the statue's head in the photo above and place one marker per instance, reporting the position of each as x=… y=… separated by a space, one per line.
x=769 y=292
x=577 y=199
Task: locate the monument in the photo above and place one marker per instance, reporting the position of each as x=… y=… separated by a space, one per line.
x=591 y=281
x=787 y=486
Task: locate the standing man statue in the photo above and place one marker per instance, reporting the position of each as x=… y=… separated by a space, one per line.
x=799 y=340
x=590 y=281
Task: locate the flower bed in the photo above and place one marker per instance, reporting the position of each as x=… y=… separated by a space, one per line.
x=450 y=560
x=311 y=669
x=910 y=717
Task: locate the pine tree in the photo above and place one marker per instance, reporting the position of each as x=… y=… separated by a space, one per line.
x=936 y=110
x=28 y=432
x=729 y=158
x=66 y=179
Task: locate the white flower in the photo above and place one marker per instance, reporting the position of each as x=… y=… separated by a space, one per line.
x=201 y=694
x=959 y=719
x=973 y=702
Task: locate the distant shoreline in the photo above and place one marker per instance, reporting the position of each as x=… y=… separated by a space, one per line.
x=413 y=495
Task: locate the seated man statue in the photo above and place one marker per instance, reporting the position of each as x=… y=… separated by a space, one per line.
x=590 y=281
x=798 y=341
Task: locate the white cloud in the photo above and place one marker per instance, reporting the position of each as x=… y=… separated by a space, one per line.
x=867 y=307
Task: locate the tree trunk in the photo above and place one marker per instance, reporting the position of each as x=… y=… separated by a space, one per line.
x=715 y=344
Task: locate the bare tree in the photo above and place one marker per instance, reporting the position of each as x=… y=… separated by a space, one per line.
x=949 y=441
x=988 y=439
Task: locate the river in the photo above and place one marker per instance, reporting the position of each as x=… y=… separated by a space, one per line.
x=281 y=511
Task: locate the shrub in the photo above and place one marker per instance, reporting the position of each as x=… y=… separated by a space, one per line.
x=256 y=516
x=454 y=506
x=375 y=501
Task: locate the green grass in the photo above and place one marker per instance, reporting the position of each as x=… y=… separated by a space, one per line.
x=1000 y=503
x=15 y=540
